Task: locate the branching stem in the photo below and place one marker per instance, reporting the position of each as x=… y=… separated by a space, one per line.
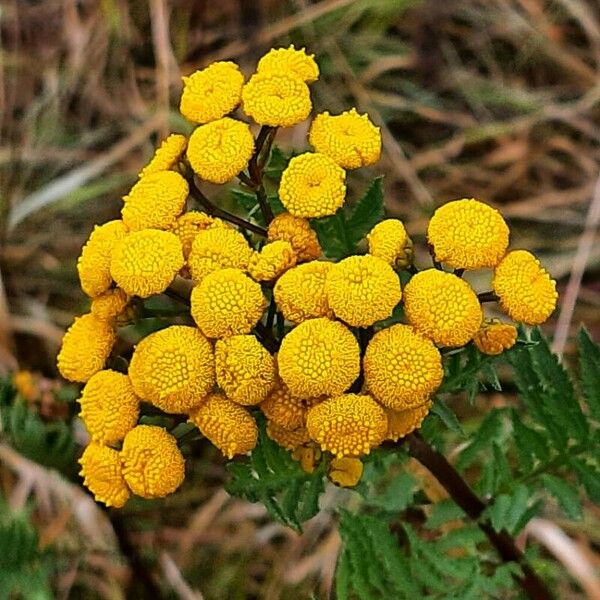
x=487 y=297
x=257 y=163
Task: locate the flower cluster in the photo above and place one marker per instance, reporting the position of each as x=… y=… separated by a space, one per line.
x=338 y=356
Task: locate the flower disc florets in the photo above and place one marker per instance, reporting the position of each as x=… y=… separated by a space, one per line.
x=190 y=224
x=346 y=471
x=298 y=232
x=495 y=337
x=284 y=409
x=274 y=259
x=110 y=305
x=167 y=156
x=102 y=474
x=291 y=62
x=362 y=290
x=403 y=422
x=290 y=439
x=389 y=241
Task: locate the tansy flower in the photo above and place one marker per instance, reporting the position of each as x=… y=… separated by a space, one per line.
x=442 y=307
x=276 y=99
x=347 y=425
x=93 y=265
x=145 y=262
x=307 y=455
x=527 y=292
x=218 y=248
x=109 y=407
x=229 y=426
x=211 y=93
x=219 y=150
x=402 y=367
x=291 y=62
x=346 y=471
x=153 y=465
x=167 y=156
x=494 y=337
x=298 y=232
x=110 y=305
x=245 y=370
x=227 y=302
x=173 y=368
x=190 y=224
x=468 y=234
x=389 y=241
x=274 y=259
x=103 y=475
x=85 y=347
x=312 y=185
x=362 y=290
x=319 y=357
x=300 y=292
x=155 y=201
x=282 y=408
x=25 y=385
x=350 y=139
x=290 y=439
x=403 y=422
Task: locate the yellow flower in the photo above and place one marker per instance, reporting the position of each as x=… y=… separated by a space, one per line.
x=145 y=262
x=494 y=337
x=282 y=408
x=211 y=93
x=94 y=263
x=245 y=370
x=442 y=307
x=403 y=422
x=308 y=456
x=219 y=150
x=527 y=292
x=109 y=407
x=319 y=357
x=190 y=224
x=298 y=232
x=468 y=234
x=103 y=475
x=402 y=367
x=362 y=290
x=155 y=201
x=276 y=99
x=350 y=139
x=25 y=385
x=300 y=292
x=290 y=439
x=167 y=156
x=227 y=302
x=312 y=185
x=173 y=368
x=291 y=62
x=347 y=425
x=85 y=347
x=229 y=426
x=345 y=472
x=389 y=241
x=153 y=465
x=110 y=305
x=274 y=259
x=218 y=248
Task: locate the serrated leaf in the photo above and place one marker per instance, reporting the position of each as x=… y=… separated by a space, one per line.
x=589 y=361
x=529 y=444
x=589 y=476
x=397 y=495
x=331 y=232
x=366 y=213
x=441 y=410
x=442 y=512
x=565 y=494
x=491 y=429
x=508 y=510
x=278 y=161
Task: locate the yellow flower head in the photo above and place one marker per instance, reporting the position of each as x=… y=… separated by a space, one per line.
x=350 y=139
x=308 y=456
x=319 y=357
x=300 y=292
x=290 y=439
x=190 y=224
x=527 y=292
x=389 y=241
x=468 y=234
x=403 y=422
x=173 y=368
x=442 y=307
x=219 y=150
x=25 y=385
x=155 y=201
x=103 y=475
x=312 y=185
x=167 y=156
x=291 y=62
x=274 y=259
x=298 y=232
x=347 y=425
x=346 y=471
x=153 y=465
x=145 y=262
x=245 y=370
x=402 y=368
x=276 y=99
x=283 y=409
x=109 y=407
x=494 y=337
x=218 y=248
x=211 y=93
x=227 y=302
x=85 y=347
x=362 y=290
x=110 y=305
x=229 y=426
x=94 y=263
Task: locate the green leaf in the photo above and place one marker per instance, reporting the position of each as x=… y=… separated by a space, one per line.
x=278 y=161
x=366 y=213
x=589 y=476
x=443 y=512
x=508 y=510
x=397 y=496
x=331 y=232
x=565 y=494
x=441 y=410
x=529 y=444
x=589 y=361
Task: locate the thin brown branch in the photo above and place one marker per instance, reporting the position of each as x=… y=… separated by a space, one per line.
x=487 y=297
x=255 y=168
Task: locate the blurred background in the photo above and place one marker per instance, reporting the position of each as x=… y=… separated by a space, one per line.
x=493 y=99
